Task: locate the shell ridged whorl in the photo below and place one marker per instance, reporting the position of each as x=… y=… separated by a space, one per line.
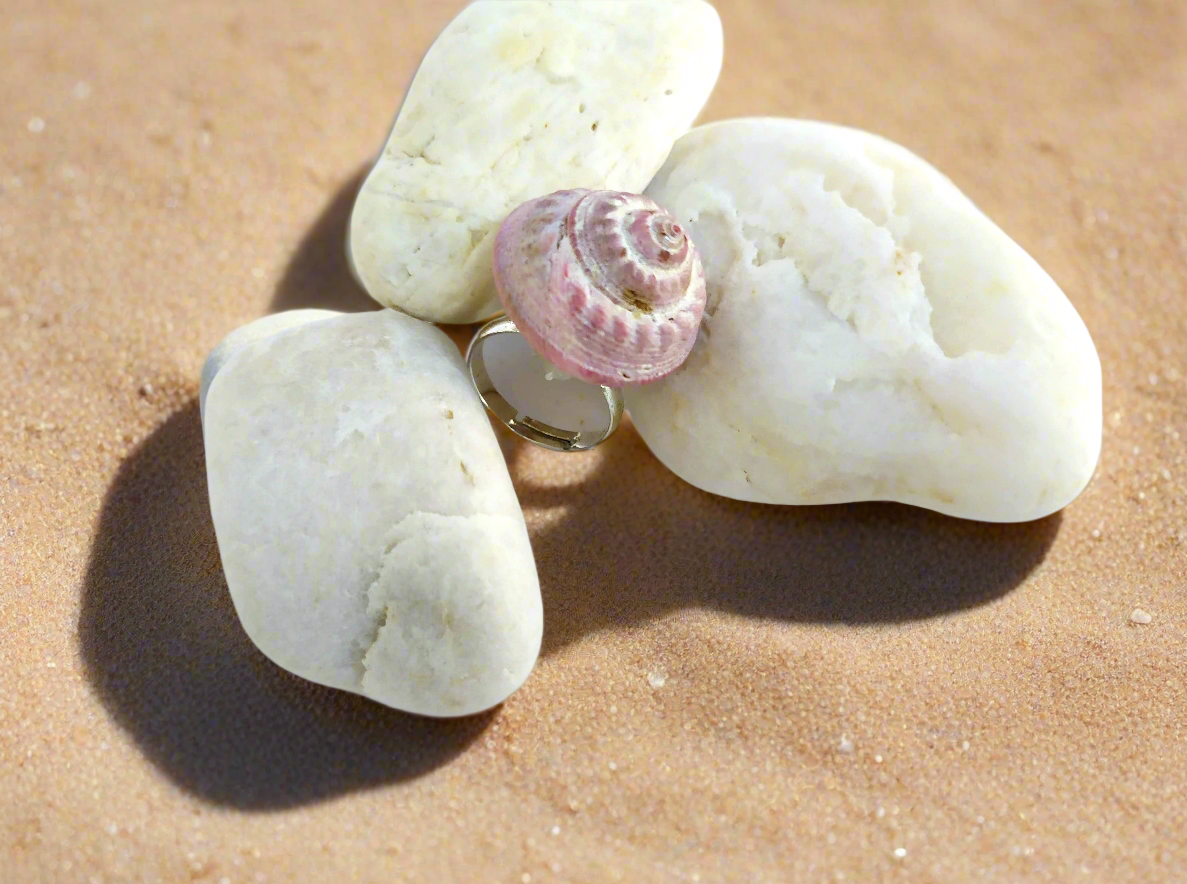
x=604 y=285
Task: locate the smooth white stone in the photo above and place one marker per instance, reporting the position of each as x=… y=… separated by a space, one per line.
x=517 y=99
x=368 y=529
x=538 y=389
x=870 y=335
x=264 y=327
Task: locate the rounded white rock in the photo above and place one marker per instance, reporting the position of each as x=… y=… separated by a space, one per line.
x=369 y=532
x=870 y=335
x=514 y=100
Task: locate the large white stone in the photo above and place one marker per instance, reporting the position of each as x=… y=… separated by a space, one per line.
x=516 y=99
x=870 y=335
x=368 y=529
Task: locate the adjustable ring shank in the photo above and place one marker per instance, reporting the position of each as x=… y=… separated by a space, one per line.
x=537 y=431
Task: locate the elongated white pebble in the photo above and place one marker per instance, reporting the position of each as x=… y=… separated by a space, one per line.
x=367 y=525
x=517 y=99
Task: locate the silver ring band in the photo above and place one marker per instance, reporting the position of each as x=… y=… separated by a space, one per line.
x=543 y=434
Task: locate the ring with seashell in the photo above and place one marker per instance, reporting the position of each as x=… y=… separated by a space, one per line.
x=607 y=291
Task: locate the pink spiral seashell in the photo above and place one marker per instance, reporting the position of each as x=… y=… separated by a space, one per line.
x=604 y=285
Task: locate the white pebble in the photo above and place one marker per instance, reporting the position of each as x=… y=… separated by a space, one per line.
x=657 y=679
x=36 y=124
x=846 y=746
x=566 y=113
x=82 y=89
x=1140 y=617
x=876 y=417
x=369 y=542
x=900 y=852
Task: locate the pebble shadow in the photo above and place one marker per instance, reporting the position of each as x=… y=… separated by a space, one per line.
x=164 y=650
x=637 y=542
x=318 y=275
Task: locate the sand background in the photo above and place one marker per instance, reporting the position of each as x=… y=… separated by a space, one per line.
x=169 y=171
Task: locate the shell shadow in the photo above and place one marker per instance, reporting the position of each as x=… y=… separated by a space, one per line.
x=637 y=542
x=318 y=275
x=163 y=648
